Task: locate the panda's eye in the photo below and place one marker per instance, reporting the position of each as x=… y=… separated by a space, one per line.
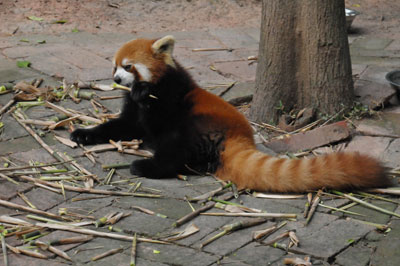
x=128 y=67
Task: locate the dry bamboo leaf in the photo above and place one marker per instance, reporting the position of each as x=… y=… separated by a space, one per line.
x=27 y=252
x=101 y=87
x=188 y=231
x=107 y=253
x=67 y=142
x=294 y=238
x=297 y=261
x=143 y=153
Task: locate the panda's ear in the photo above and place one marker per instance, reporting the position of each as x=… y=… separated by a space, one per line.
x=165 y=45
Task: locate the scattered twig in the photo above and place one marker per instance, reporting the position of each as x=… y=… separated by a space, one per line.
x=210 y=49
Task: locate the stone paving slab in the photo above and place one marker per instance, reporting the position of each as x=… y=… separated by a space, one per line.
x=329 y=238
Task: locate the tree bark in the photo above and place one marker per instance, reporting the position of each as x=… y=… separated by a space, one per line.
x=304 y=59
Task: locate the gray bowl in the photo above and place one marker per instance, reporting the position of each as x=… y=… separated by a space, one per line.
x=350 y=16
x=393 y=77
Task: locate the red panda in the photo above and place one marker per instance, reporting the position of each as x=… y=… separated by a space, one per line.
x=190 y=129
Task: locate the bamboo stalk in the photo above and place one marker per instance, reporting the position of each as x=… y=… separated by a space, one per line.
x=366 y=204
x=64 y=111
x=133 y=251
x=28 y=209
x=394 y=191
x=97 y=233
x=233 y=227
x=339 y=210
x=89 y=190
x=194 y=214
x=71 y=240
x=4 y=249
x=247 y=214
x=10 y=169
x=188 y=217
x=59 y=156
x=24 y=198
x=12 y=220
x=9 y=179
x=5 y=107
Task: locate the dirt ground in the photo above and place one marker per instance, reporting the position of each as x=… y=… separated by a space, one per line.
x=378 y=17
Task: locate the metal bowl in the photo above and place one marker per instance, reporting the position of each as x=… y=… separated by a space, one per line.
x=350 y=16
x=393 y=77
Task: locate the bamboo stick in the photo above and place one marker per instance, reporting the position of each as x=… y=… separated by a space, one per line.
x=10 y=169
x=247 y=214
x=4 y=249
x=52 y=249
x=108 y=253
x=366 y=204
x=89 y=190
x=97 y=233
x=28 y=209
x=133 y=251
x=314 y=205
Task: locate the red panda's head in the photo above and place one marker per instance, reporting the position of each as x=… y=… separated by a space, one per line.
x=143 y=60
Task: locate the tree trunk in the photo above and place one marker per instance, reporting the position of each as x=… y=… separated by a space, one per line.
x=304 y=59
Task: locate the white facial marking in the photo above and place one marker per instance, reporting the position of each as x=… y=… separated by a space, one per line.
x=143 y=71
x=126 y=77
x=125 y=61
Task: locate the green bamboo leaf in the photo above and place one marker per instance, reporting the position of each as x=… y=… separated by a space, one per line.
x=61 y=21
x=23 y=64
x=34 y=18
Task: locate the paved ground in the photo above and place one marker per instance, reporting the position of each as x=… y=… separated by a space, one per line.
x=330 y=238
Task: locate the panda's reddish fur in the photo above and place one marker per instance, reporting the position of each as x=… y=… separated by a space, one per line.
x=191 y=129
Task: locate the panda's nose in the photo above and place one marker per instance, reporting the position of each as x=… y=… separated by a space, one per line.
x=117 y=79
